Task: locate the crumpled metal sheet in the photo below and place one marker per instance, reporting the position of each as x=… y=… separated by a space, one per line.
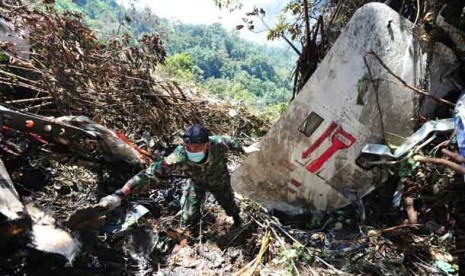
x=19 y=39
x=417 y=137
x=10 y=207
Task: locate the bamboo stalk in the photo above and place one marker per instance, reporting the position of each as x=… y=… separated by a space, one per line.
x=37 y=106
x=25 y=85
x=16 y=76
x=29 y=100
x=263 y=248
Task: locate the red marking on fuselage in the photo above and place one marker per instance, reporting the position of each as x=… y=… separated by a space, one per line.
x=339 y=140
x=296 y=183
x=320 y=140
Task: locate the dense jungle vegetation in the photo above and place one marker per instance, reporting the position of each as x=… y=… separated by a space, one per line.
x=200 y=56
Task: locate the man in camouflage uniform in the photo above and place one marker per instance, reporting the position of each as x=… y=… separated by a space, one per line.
x=202 y=157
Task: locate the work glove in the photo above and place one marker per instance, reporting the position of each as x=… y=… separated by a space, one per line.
x=109 y=203
x=252 y=148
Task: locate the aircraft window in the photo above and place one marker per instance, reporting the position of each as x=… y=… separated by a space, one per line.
x=310 y=124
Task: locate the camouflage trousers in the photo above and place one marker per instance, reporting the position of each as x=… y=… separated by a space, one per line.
x=194 y=194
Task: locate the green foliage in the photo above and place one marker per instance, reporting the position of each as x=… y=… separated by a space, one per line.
x=262 y=72
x=288 y=257
x=180 y=67
x=229 y=90
x=66 y=5
x=407 y=168
x=4 y=58
x=219 y=61
x=292 y=20
x=180 y=62
x=273 y=112
x=225 y=3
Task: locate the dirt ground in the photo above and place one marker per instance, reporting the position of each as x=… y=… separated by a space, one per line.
x=268 y=243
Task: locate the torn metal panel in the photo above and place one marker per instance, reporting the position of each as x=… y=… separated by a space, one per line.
x=19 y=40
x=308 y=159
x=445 y=79
x=18 y=223
x=410 y=142
x=11 y=207
x=123 y=218
x=46 y=127
x=78 y=132
x=113 y=148
x=47 y=237
x=14 y=219
x=457 y=36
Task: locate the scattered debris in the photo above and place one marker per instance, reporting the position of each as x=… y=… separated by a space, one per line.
x=422 y=233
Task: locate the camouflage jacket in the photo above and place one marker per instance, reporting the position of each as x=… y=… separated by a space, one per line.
x=206 y=173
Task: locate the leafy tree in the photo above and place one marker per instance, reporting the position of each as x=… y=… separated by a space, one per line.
x=180 y=62
x=63 y=5
x=179 y=66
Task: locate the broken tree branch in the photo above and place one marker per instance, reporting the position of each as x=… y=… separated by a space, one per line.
x=441 y=161
x=14 y=76
x=37 y=106
x=375 y=88
x=25 y=85
x=418 y=14
x=311 y=253
x=29 y=100
x=423 y=92
x=283 y=246
x=292 y=45
x=307 y=21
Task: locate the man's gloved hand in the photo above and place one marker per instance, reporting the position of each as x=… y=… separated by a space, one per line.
x=109 y=203
x=252 y=148
x=94 y=216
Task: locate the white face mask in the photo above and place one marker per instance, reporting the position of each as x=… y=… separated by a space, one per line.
x=195 y=156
